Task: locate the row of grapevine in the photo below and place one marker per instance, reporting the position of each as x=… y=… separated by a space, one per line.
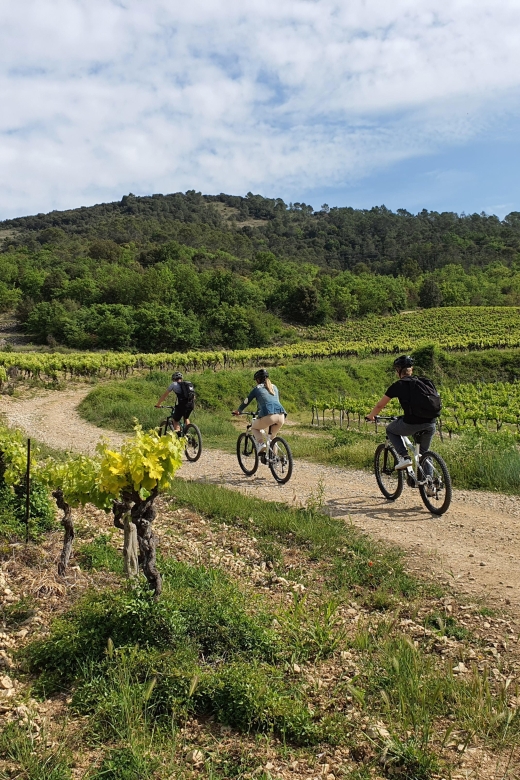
x=468 y=328
x=125 y=482
x=476 y=406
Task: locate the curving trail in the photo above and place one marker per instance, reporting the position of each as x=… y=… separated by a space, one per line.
x=475 y=547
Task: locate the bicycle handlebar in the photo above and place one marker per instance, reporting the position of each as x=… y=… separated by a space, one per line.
x=380 y=418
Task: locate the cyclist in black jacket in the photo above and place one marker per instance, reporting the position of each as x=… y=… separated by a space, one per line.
x=408 y=423
x=184 y=406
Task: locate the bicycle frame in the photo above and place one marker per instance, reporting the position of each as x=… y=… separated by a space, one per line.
x=169 y=419
x=267 y=455
x=414 y=450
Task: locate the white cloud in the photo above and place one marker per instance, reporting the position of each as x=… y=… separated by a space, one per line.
x=99 y=97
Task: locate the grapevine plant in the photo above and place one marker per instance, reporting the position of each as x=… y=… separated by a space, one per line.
x=126 y=481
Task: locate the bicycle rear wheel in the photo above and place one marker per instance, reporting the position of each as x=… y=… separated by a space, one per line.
x=246 y=454
x=280 y=460
x=389 y=480
x=193 y=449
x=436 y=492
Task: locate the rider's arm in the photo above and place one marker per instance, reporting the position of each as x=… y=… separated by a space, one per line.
x=163 y=398
x=378 y=407
x=174 y=387
x=246 y=401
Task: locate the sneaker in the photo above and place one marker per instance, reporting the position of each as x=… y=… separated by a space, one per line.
x=430 y=491
x=260 y=446
x=402 y=463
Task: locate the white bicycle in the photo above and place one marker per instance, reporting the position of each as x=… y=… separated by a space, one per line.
x=428 y=472
x=277 y=454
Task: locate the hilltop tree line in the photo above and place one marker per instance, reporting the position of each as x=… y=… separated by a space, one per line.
x=185 y=270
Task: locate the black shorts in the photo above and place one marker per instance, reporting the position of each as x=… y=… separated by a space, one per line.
x=182 y=410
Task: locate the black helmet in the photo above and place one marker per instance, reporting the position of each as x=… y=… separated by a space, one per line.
x=177 y=375
x=261 y=374
x=403 y=361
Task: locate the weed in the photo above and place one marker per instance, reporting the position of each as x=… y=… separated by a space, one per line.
x=200 y=608
x=446 y=625
x=22 y=746
x=408 y=759
x=251 y=696
x=271 y=552
x=125 y=764
x=42 y=512
x=100 y=554
x=312 y=636
x=16 y=613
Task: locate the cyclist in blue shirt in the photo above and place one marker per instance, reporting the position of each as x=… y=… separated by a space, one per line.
x=271 y=413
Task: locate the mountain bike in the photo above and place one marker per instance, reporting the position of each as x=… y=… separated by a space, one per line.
x=428 y=472
x=277 y=454
x=190 y=432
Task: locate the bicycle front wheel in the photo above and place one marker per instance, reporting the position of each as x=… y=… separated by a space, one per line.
x=436 y=490
x=247 y=454
x=389 y=480
x=193 y=438
x=280 y=460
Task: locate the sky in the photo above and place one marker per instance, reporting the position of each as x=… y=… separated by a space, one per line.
x=412 y=104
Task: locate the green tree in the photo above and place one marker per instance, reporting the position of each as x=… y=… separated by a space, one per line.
x=430 y=295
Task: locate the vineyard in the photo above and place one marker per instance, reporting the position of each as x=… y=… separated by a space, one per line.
x=468 y=328
x=477 y=406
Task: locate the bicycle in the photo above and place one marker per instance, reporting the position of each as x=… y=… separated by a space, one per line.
x=277 y=454
x=428 y=472
x=190 y=432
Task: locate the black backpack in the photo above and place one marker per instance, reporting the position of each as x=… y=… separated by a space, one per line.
x=425 y=401
x=187 y=391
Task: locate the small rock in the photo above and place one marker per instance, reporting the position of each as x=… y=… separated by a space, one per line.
x=195 y=757
x=6 y=683
x=460 y=668
x=296 y=669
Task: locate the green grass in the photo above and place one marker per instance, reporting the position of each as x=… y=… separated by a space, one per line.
x=99 y=554
x=354 y=559
x=23 y=746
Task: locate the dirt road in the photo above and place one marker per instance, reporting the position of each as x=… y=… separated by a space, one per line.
x=475 y=547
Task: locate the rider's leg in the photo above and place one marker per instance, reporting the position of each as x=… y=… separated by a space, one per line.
x=395 y=431
x=187 y=411
x=178 y=413
x=424 y=445
x=257 y=426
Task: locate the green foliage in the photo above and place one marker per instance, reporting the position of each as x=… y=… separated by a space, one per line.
x=34 y=761
x=42 y=511
x=446 y=625
x=251 y=696
x=168 y=272
x=99 y=554
x=409 y=759
x=16 y=613
x=125 y=764
x=199 y=608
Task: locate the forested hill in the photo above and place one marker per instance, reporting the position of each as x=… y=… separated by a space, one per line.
x=183 y=271
x=382 y=241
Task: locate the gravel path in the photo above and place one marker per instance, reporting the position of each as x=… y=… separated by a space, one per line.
x=475 y=547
